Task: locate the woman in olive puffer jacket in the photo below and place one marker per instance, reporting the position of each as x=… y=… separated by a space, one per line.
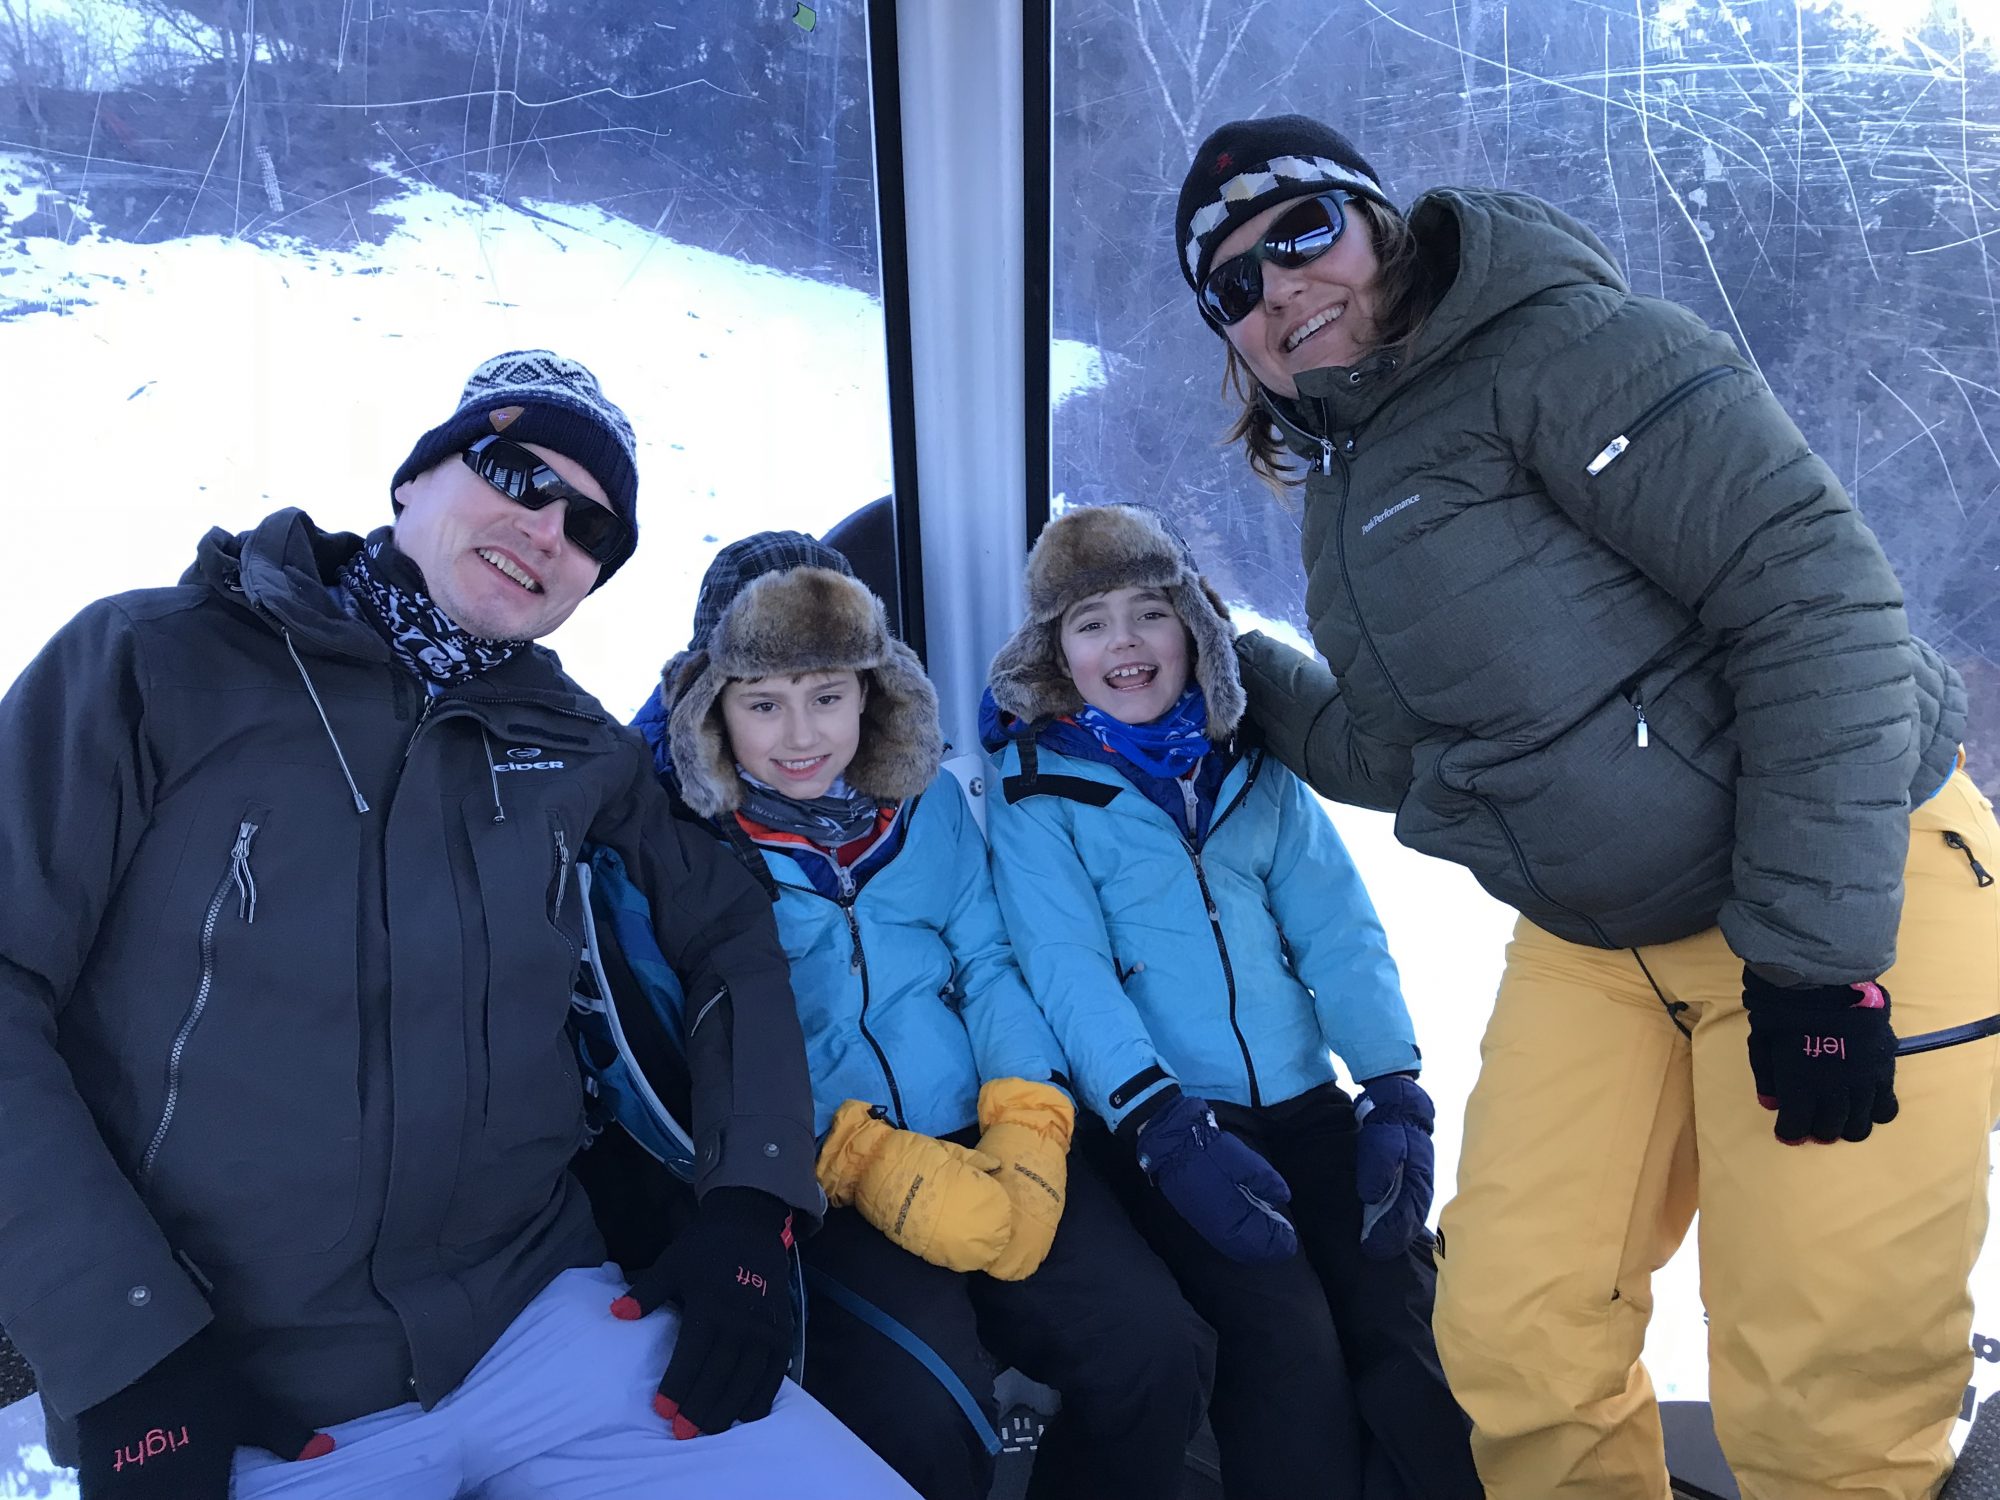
x=1603 y=629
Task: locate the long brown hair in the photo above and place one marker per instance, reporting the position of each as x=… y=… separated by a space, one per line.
x=1404 y=298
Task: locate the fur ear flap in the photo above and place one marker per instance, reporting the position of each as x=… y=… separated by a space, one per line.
x=696 y=739
x=902 y=743
x=1029 y=678
x=1215 y=666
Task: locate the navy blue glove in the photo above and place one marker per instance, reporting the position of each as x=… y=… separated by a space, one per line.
x=1228 y=1192
x=1395 y=1168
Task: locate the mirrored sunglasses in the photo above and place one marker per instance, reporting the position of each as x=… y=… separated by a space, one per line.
x=522 y=477
x=1297 y=237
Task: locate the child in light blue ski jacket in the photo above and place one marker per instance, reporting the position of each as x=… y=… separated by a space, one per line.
x=807 y=737
x=1197 y=935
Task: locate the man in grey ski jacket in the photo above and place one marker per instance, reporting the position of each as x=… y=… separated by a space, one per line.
x=292 y=924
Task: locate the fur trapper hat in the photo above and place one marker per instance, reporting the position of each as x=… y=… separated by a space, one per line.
x=1092 y=550
x=784 y=623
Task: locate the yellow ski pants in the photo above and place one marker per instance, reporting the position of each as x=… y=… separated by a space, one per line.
x=1835 y=1277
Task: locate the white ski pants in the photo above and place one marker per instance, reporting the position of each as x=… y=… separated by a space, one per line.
x=561 y=1409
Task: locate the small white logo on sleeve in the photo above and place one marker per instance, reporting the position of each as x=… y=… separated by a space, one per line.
x=1376 y=520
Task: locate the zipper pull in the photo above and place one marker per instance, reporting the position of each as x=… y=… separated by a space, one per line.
x=239 y=872
x=1979 y=872
x=1644 y=733
x=562 y=867
x=846 y=878
x=1326 y=455
x=1193 y=802
x=1201 y=879
x=1607 y=455
x=423 y=717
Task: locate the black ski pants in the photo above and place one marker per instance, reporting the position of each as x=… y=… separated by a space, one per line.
x=1102 y=1321
x=1327 y=1378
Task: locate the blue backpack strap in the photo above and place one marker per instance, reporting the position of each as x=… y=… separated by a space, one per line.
x=853 y=1303
x=618 y=1083
x=628 y=1025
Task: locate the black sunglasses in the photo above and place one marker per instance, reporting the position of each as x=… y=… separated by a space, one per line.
x=523 y=478
x=1297 y=237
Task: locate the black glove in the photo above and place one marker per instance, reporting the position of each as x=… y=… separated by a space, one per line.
x=729 y=1274
x=1823 y=1056
x=172 y=1433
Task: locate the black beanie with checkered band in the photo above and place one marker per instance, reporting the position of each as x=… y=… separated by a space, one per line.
x=1246 y=166
x=538 y=396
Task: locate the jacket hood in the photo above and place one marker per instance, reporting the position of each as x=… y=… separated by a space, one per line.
x=1089 y=551
x=1492 y=251
x=284 y=568
x=792 y=621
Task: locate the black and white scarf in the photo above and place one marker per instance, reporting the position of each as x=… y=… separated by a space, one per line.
x=837 y=816
x=389 y=589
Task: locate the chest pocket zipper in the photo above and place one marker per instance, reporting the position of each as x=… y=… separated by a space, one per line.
x=237 y=877
x=1610 y=452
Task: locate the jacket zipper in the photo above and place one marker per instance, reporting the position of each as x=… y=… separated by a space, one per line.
x=1215 y=927
x=707 y=1005
x=565 y=861
x=857 y=963
x=423 y=718
x=238 y=878
x=1979 y=873
x=1346 y=579
x=1645 y=739
x=1609 y=453
x=1521 y=859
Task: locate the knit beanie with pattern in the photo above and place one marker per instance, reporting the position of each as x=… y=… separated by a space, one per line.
x=538 y=396
x=1246 y=166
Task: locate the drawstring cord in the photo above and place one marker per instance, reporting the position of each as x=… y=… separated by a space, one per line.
x=360 y=802
x=492 y=775
x=1673 y=1007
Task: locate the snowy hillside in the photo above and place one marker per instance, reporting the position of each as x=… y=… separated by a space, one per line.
x=207 y=381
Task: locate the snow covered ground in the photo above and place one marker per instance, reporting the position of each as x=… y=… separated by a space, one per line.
x=154 y=391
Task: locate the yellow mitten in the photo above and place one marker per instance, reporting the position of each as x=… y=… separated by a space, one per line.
x=935 y=1199
x=1026 y=1128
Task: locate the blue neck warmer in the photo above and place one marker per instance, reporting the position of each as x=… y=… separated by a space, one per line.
x=1170 y=745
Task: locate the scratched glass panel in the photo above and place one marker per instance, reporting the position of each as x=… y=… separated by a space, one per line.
x=1820 y=180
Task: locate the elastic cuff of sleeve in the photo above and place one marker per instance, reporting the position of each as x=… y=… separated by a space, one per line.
x=1150 y=1104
